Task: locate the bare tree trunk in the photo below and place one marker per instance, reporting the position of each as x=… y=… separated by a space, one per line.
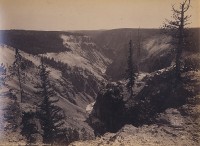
x=180 y=44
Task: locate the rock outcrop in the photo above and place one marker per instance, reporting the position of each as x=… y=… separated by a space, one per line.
x=159 y=92
x=107 y=114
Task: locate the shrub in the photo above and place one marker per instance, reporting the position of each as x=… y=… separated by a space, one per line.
x=191 y=64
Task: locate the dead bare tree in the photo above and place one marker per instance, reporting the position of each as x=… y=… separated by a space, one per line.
x=177 y=29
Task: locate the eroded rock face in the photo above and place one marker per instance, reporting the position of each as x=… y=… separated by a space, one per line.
x=108 y=111
x=159 y=92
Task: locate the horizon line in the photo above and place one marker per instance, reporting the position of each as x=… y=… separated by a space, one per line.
x=88 y=29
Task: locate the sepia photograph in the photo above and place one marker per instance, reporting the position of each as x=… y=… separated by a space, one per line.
x=99 y=73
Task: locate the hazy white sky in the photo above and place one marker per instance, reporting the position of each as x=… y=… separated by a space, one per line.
x=89 y=14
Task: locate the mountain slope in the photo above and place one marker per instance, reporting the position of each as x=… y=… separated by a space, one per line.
x=83 y=54
x=31 y=77
x=75 y=86
x=156 y=48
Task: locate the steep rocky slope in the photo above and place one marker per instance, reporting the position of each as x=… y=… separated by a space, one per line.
x=163 y=110
x=7 y=57
x=174 y=126
x=83 y=53
x=76 y=81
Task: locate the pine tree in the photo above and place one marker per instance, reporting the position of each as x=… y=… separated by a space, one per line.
x=51 y=116
x=17 y=70
x=130 y=70
x=177 y=29
x=138 y=50
x=29 y=128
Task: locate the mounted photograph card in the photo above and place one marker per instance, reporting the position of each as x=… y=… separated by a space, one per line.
x=100 y=72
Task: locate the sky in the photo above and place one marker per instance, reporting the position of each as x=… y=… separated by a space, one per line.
x=89 y=14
